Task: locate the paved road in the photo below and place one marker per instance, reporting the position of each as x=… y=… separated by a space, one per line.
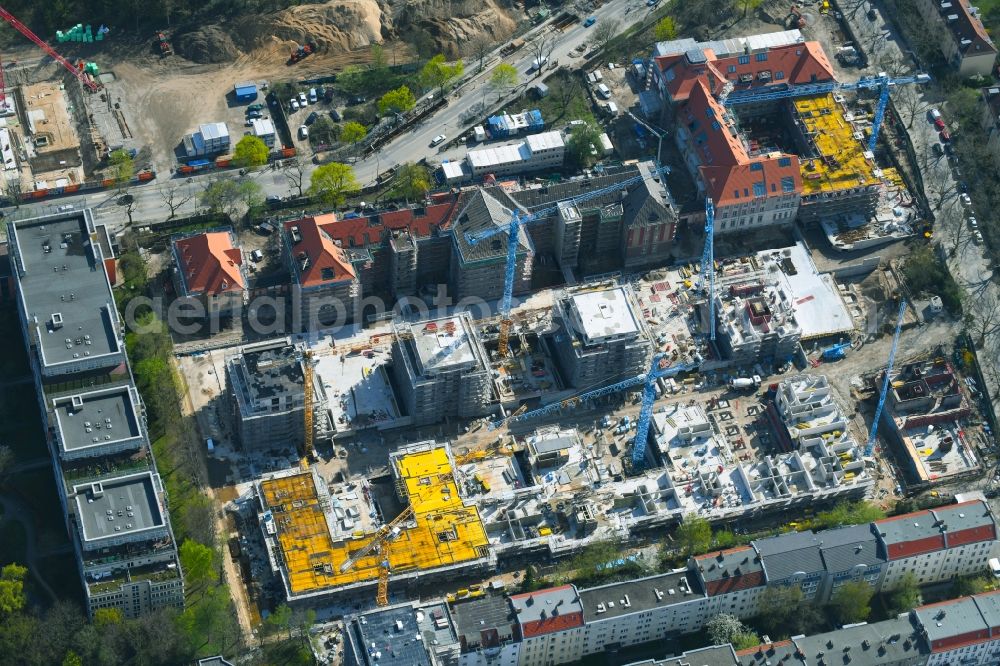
x=409 y=147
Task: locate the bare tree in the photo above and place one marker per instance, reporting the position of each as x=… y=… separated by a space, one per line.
x=479 y=47
x=13 y=191
x=604 y=32
x=294 y=169
x=173 y=198
x=984 y=318
x=541 y=48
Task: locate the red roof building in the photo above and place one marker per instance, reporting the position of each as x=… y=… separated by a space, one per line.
x=961 y=35
x=317 y=257
x=209 y=264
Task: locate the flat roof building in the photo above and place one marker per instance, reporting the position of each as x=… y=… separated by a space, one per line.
x=98 y=423
x=64 y=295
x=441 y=369
x=601 y=336
x=115 y=511
x=536 y=152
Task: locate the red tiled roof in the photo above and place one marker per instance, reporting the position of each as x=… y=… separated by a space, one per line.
x=969 y=27
x=420 y=222
x=327 y=262
x=551 y=624
x=763 y=647
x=209 y=263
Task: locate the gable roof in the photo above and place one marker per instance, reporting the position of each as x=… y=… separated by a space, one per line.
x=547 y=611
x=788 y=554
x=316 y=258
x=481 y=212
x=421 y=222
x=968 y=27
x=209 y=264
x=725 y=571
x=936 y=529
x=844 y=548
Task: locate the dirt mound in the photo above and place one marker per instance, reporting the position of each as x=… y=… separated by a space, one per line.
x=205 y=44
x=343 y=25
x=451 y=32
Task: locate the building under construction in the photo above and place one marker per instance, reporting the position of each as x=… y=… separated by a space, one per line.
x=266 y=387
x=353 y=540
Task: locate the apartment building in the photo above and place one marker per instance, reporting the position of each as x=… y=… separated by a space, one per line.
x=441 y=369
x=601 y=335
x=325 y=287
x=208 y=266
x=962 y=37
x=962 y=631
x=265 y=383
x=111 y=494
x=650 y=222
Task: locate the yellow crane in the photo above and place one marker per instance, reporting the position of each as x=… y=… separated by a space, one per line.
x=381 y=541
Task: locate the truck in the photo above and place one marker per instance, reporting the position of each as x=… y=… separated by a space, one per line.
x=745 y=382
x=511 y=47
x=301 y=52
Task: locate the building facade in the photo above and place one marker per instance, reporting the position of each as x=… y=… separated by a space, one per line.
x=962 y=37
x=208 y=266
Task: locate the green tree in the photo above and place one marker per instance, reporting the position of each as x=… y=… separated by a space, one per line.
x=966 y=586
x=122 y=167
x=12 y=598
x=399 y=100
x=353 y=132
x=72 y=659
x=437 y=73
x=583 y=145
x=323 y=132
x=784 y=611
x=726 y=628
x=747 y=5
x=503 y=78
x=200 y=567
x=221 y=195
x=693 y=535
x=666 y=29
x=105 y=617
x=412 y=181
x=852 y=602
x=331 y=183
x=723 y=539
x=905 y=596
x=849 y=513
x=379 y=62
x=250 y=151
x=281 y=619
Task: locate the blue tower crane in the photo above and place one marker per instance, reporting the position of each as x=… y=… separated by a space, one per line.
x=657 y=370
x=881 y=82
x=518 y=220
x=708 y=264
x=617 y=387
x=870 y=447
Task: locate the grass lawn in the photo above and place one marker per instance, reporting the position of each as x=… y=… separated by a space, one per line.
x=13 y=542
x=567 y=100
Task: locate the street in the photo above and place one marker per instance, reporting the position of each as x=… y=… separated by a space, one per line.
x=412 y=146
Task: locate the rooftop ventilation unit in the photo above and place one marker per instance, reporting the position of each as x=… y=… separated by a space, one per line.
x=57 y=320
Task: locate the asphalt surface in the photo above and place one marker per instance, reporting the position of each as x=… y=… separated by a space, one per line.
x=412 y=146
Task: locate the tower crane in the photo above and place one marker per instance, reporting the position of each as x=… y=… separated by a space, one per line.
x=881 y=82
x=26 y=31
x=648 y=378
x=870 y=447
x=512 y=229
x=658 y=369
x=708 y=264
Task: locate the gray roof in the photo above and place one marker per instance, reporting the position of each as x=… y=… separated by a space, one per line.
x=847 y=547
x=483 y=212
x=989 y=607
x=535 y=606
x=729 y=563
x=951 y=618
x=100 y=418
x=492 y=616
x=636 y=596
x=548 y=195
x=908 y=527
x=395 y=635
x=122 y=506
x=648 y=201
x=788 y=554
x=966 y=516
x=214 y=661
x=717 y=655
x=62 y=272
x=889 y=642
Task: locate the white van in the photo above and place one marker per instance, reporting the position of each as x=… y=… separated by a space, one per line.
x=603 y=91
x=312 y=96
x=995 y=567
x=612 y=109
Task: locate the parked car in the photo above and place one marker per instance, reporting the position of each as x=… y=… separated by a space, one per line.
x=945 y=136
x=966 y=200
x=328 y=95
x=939 y=124
x=977 y=236
x=591 y=20
x=255 y=107
x=973 y=223
x=302 y=99
x=934 y=115
x=294 y=104
x=303 y=132
x=603 y=91
x=255 y=115
x=963 y=187
x=335 y=115
x=313 y=98
x=357 y=99
x=439 y=139
x=312 y=118
x=937 y=148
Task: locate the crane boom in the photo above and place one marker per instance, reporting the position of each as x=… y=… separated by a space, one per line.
x=26 y=31
x=870 y=447
x=518 y=220
x=383 y=533
x=708 y=264
x=307 y=371
x=657 y=370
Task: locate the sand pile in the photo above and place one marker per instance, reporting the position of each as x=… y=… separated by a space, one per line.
x=343 y=25
x=208 y=43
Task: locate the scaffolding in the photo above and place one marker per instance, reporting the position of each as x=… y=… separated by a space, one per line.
x=841 y=162
x=442 y=531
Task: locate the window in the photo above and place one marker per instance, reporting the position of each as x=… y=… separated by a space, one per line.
x=779 y=75
x=709 y=112
x=756 y=166
x=784 y=161
x=716 y=125
x=787 y=184
x=744 y=60
x=736 y=194
x=732 y=69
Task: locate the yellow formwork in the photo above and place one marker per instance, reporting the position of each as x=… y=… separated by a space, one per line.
x=446 y=531
x=842 y=164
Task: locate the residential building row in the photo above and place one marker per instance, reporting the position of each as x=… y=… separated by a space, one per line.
x=564 y=624
x=112 y=497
